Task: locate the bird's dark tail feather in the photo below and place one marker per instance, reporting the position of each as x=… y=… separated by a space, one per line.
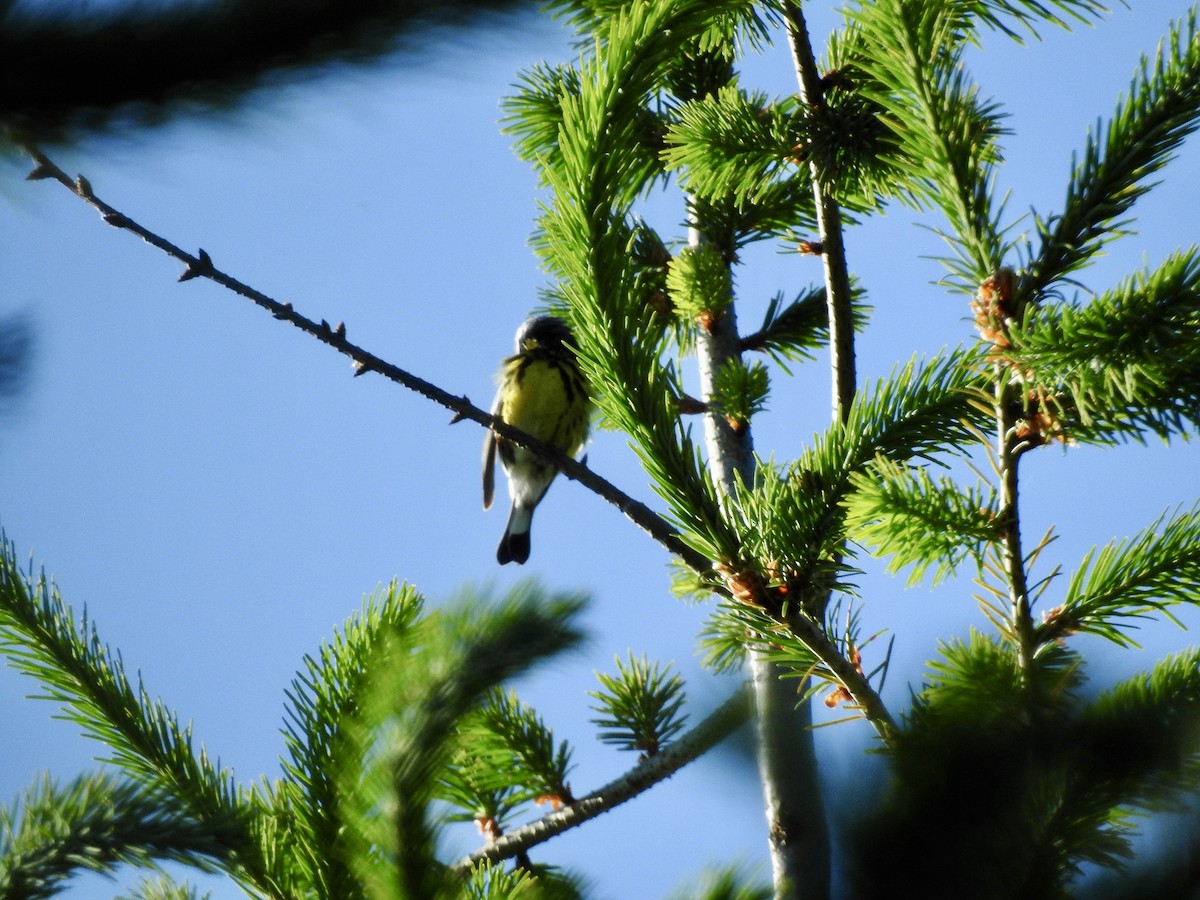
x=514 y=545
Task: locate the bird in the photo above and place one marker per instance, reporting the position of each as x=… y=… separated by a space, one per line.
x=541 y=391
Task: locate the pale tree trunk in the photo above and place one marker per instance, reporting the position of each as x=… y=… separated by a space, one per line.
x=798 y=835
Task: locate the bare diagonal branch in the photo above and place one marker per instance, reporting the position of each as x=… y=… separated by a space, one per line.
x=201 y=266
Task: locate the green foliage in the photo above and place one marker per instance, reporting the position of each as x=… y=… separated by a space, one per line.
x=41 y=637
x=793 y=517
x=513 y=743
x=321 y=702
x=493 y=882
x=533 y=115
x=639 y=706
x=733 y=144
x=731 y=883
x=96 y=822
x=791 y=331
x=374 y=720
x=1123 y=364
x=946 y=136
x=1018 y=782
x=163 y=888
x=1141 y=738
x=919 y=521
x=1162 y=108
x=741 y=391
x=1131 y=579
x=425 y=682
x=698 y=282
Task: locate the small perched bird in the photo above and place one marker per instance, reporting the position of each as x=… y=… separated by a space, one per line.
x=542 y=392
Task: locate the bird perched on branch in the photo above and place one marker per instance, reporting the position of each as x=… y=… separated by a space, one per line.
x=543 y=393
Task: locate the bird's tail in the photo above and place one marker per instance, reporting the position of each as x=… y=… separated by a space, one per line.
x=514 y=545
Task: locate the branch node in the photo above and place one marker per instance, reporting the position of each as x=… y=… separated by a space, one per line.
x=285 y=311
x=116 y=219
x=83 y=188
x=200 y=266
x=362 y=368
x=339 y=330
x=42 y=170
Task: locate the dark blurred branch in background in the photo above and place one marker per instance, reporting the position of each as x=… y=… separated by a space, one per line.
x=65 y=68
x=16 y=339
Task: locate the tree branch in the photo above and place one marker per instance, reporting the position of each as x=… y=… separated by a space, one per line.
x=141 y=58
x=716 y=727
x=201 y=266
x=1009 y=448
x=829 y=223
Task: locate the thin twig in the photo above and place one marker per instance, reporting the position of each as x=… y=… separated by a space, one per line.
x=720 y=723
x=201 y=266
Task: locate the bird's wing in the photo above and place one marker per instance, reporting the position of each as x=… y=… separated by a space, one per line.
x=489 y=461
x=489 y=468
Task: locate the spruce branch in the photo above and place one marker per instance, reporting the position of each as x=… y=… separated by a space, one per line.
x=1123 y=364
x=98 y=822
x=42 y=638
x=731 y=144
x=946 y=136
x=1155 y=569
x=1139 y=741
x=322 y=701
x=639 y=706
x=1028 y=13
x=515 y=743
x=698 y=740
x=1149 y=124
x=918 y=520
x=425 y=683
x=725 y=883
x=201 y=265
x=164 y=888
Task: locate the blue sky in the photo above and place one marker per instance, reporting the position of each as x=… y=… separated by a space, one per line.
x=220 y=493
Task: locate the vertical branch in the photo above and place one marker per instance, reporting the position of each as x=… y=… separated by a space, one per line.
x=997 y=306
x=1009 y=447
x=829 y=224
x=798 y=838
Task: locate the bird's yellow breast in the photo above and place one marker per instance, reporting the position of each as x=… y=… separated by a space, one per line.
x=538 y=401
